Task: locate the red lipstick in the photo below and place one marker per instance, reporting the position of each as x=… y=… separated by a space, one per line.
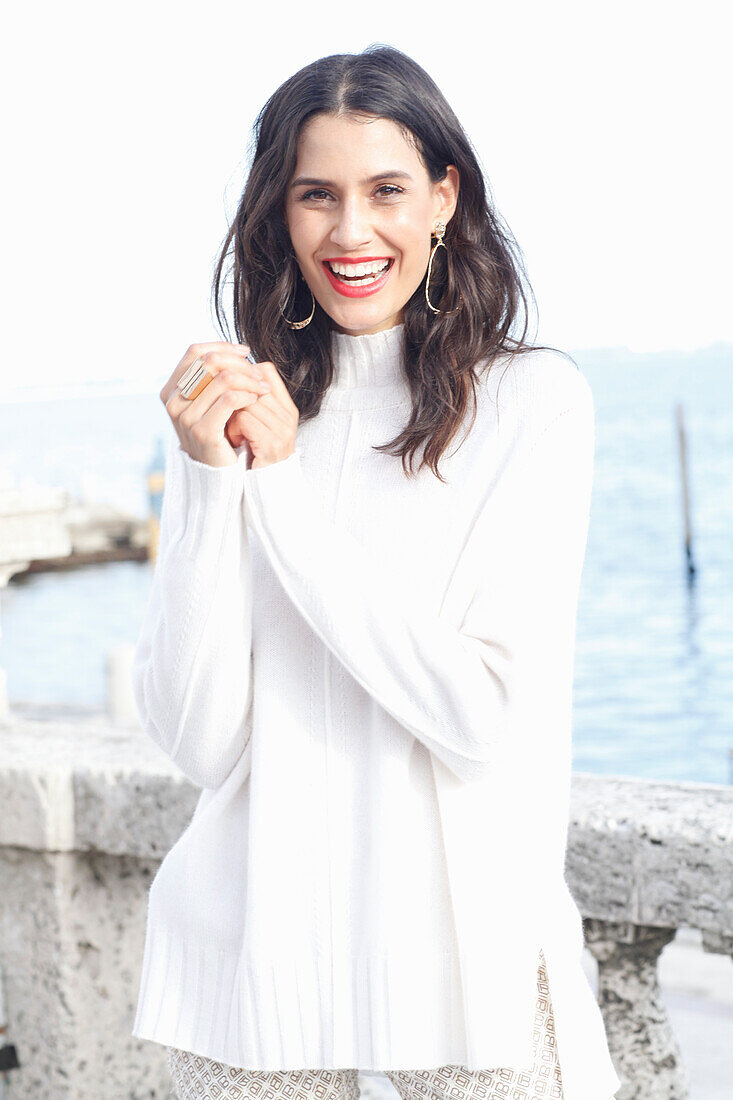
x=355 y=259
x=358 y=291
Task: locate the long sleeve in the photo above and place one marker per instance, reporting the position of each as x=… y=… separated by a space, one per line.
x=453 y=685
x=193 y=660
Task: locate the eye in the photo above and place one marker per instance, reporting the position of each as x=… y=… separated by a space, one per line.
x=312 y=194
x=316 y=194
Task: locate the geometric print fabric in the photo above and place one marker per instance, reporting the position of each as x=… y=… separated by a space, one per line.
x=199 y=1078
x=542 y=1082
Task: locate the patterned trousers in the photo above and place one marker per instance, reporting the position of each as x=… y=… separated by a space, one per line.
x=198 y=1078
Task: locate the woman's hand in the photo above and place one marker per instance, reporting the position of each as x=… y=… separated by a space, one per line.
x=270 y=424
x=201 y=423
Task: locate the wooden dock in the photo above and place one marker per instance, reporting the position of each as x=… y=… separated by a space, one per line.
x=43 y=531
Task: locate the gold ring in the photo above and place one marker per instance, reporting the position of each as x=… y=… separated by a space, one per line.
x=194 y=380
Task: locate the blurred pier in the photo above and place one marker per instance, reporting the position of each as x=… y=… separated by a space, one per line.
x=45 y=529
x=70 y=535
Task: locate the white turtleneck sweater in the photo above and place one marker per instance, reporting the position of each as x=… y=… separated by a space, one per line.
x=370 y=677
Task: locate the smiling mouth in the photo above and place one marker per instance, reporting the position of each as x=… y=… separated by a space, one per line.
x=374 y=271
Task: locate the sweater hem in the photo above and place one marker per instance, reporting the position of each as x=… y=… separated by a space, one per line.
x=224 y=1006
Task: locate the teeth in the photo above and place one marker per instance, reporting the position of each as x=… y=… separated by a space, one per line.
x=373 y=268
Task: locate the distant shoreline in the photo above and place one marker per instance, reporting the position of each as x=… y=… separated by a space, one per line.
x=720 y=351
x=76 y=390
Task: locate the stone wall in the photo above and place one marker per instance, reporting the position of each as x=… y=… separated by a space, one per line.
x=87 y=811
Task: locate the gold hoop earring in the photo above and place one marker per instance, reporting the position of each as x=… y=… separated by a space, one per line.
x=301 y=324
x=439 y=232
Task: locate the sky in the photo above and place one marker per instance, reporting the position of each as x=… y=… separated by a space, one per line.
x=601 y=129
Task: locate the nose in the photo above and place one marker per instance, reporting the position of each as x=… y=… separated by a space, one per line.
x=352 y=227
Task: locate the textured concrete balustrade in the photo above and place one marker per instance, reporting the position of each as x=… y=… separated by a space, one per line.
x=87 y=811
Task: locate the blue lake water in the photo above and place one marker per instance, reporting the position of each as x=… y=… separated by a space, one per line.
x=654 y=660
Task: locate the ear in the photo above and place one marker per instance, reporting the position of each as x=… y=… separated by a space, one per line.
x=446 y=195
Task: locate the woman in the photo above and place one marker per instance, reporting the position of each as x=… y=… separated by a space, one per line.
x=367 y=666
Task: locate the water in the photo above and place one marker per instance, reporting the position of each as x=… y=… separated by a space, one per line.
x=654 y=662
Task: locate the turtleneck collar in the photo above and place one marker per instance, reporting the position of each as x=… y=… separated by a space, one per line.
x=368 y=370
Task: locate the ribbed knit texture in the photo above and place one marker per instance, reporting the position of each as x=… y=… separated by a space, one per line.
x=370 y=676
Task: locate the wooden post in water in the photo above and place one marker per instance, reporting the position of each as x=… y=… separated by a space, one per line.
x=156 y=487
x=682 y=440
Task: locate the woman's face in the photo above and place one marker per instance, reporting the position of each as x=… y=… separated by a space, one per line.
x=360 y=193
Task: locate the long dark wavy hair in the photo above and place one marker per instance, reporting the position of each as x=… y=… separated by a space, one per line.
x=483 y=265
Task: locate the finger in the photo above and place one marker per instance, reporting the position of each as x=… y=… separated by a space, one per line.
x=274 y=413
x=217 y=361
x=248 y=425
x=234 y=369
x=218 y=416
x=260 y=419
x=280 y=395
x=273 y=376
x=257 y=411
x=209 y=353
x=237 y=386
x=218 y=358
x=186 y=416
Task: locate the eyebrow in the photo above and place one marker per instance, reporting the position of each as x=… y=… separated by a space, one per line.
x=397 y=174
